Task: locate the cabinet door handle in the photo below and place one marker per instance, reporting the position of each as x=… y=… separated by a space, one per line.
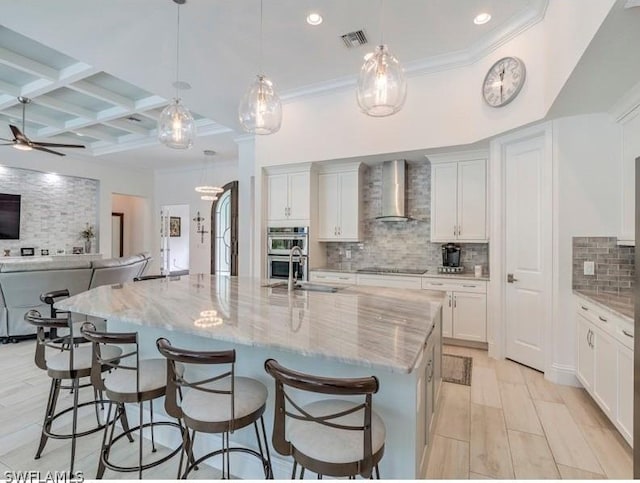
x=627 y=333
x=454 y=302
x=429 y=370
x=455 y=230
x=449 y=300
x=459 y=230
x=602 y=318
x=584 y=308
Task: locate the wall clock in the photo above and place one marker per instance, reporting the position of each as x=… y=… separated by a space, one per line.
x=503 y=81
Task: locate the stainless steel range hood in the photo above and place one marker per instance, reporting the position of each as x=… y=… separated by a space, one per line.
x=394 y=194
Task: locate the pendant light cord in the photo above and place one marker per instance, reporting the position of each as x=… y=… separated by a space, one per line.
x=260 y=55
x=177 y=51
x=381 y=24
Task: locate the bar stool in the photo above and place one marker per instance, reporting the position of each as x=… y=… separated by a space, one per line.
x=68 y=362
x=132 y=380
x=222 y=404
x=333 y=437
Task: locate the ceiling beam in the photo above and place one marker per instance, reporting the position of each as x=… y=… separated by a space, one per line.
x=11 y=89
x=94 y=132
x=25 y=64
x=129 y=126
x=16 y=112
x=53 y=103
x=103 y=94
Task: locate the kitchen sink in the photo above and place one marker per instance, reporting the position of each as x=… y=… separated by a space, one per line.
x=309 y=287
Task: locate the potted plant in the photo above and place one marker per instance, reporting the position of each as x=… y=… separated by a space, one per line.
x=87 y=235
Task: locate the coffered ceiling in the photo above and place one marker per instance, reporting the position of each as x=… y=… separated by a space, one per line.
x=100 y=72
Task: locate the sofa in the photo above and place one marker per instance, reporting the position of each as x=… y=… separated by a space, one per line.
x=22 y=282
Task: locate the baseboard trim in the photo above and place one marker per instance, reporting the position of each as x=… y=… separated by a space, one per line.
x=562 y=374
x=465 y=343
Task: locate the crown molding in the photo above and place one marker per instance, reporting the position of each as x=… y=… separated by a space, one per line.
x=491 y=42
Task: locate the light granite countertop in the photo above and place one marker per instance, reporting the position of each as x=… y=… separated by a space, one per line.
x=430 y=273
x=620 y=305
x=368 y=326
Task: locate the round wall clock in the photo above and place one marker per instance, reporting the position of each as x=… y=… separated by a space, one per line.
x=503 y=81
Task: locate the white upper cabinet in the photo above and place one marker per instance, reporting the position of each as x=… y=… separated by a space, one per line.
x=289 y=201
x=459 y=197
x=340 y=203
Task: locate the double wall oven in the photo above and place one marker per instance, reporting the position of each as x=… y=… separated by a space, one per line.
x=280 y=241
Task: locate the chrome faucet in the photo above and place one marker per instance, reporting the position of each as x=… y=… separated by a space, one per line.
x=291 y=278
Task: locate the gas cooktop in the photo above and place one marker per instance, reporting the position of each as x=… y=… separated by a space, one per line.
x=411 y=271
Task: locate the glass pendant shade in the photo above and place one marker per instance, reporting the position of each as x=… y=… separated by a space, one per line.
x=382 y=86
x=176 y=127
x=260 y=110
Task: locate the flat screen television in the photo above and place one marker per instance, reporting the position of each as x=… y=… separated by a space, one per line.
x=9 y=217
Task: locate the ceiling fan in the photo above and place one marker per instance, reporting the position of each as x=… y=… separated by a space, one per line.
x=22 y=142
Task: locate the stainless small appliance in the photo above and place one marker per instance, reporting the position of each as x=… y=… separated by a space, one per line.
x=280 y=240
x=278 y=267
x=451 y=255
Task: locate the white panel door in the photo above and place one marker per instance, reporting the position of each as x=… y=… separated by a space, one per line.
x=278 y=189
x=349 y=206
x=328 y=206
x=624 y=413
x=604 y=384
x=444 y=199
x=472 y=200
x=528 y=249
x=299 y=198
x=585 y=352
x=470 y=316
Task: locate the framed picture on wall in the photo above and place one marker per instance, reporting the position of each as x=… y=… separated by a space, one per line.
x=174 y=226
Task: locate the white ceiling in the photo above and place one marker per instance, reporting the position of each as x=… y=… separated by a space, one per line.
x=89 y=65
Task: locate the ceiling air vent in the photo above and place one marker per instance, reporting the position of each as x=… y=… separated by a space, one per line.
x=134 y=119
x=354 y=39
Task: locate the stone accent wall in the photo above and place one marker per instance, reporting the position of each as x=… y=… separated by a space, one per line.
x=54 y=209
x=400 y=244
x=614 y=265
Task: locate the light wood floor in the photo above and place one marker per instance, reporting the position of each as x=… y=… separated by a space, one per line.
x=512 y=423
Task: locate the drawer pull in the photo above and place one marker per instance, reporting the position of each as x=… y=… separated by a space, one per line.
x=469 y=286
x=602 y=318
x=583 y=307
x=627 y=333
x=320 y=276
x=434 y=283
x=343 y=278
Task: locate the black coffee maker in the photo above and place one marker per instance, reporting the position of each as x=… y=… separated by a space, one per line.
x=451 y=255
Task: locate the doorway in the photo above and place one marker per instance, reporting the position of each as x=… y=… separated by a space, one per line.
x=523 y=245
x=117 y=234
x=224 y=231
x=175 y=239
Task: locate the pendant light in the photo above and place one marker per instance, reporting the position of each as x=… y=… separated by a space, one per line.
x=382 y=86
x=260 y=110
x=208 y=192
x=176 y=126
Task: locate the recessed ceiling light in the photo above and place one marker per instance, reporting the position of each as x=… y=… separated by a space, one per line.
x=482 y=18
x=314 y=18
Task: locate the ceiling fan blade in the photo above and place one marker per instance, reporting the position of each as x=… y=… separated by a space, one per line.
x=8 y=140
x=18 y=134
x=7 y=144
x=39 y=148
x=57 y=145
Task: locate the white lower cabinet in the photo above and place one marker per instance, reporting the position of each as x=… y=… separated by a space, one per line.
x=605 y=364
x=624 y=410
x=464 y=313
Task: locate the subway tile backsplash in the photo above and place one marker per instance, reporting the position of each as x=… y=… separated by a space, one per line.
x=614 y=265
x=400 y=244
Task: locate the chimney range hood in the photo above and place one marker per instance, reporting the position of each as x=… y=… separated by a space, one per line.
x=394 y=195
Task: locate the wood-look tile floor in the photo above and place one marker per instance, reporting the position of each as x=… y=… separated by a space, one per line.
x=23 y=395
x=513 y=423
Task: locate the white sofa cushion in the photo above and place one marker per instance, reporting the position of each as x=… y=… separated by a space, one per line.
x=249 y=396
x=330 y=444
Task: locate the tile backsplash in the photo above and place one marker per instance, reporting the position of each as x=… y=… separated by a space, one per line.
x=614 y=265
x=54 y=209
x=400 y=244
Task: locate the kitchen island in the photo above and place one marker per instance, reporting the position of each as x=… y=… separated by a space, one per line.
x=356 y=331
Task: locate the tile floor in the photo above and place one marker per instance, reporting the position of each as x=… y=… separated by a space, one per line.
x=510 y=423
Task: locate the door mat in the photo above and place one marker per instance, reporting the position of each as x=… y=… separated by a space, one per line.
x=456 y=369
